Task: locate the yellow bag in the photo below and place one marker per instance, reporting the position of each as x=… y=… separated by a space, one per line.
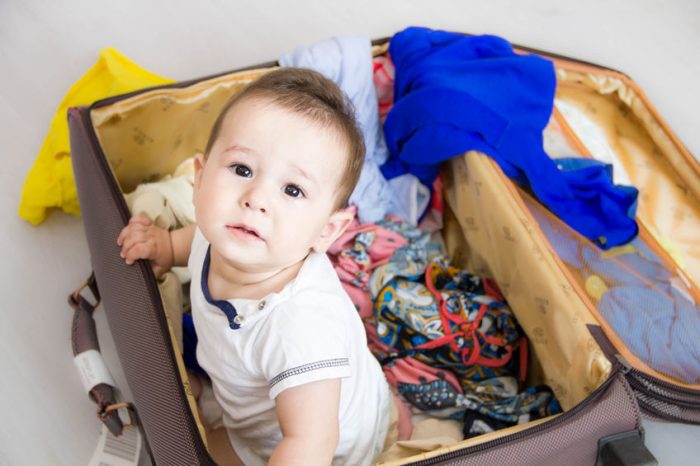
x=50 y=180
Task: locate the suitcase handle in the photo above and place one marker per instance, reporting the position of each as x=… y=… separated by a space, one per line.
x=625 y=449
x=91 y=367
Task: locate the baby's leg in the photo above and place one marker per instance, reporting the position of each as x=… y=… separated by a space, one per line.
x=195 y=384
x=220 y=448
x=218 y=443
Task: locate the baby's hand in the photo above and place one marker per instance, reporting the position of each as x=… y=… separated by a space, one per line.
x=141 y=239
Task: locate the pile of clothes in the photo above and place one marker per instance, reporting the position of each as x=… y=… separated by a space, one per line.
x=447 y=340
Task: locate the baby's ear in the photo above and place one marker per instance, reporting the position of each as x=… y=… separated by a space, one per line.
x=337 y=223
x=198 y=166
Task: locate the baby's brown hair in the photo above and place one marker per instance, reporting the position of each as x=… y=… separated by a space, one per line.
x=309 y=94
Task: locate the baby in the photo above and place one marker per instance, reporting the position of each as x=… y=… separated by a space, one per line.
x=283 y=344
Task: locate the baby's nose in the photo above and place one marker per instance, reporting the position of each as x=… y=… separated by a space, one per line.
x=251 y=205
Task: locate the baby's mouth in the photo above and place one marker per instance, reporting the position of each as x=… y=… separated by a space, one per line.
x=244 y=231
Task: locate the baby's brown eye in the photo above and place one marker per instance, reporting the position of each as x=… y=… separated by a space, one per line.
x=293 y=191
x=242 y=170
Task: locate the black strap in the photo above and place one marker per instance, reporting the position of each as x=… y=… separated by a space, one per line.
x=84 y=338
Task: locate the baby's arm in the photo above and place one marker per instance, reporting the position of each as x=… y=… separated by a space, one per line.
x=308 y=416
x=141 y=239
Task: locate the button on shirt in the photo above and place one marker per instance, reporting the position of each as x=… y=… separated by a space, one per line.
x=255 y=349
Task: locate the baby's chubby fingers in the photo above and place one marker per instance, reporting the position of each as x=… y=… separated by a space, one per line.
x=135 y=224
x=137 y=250
x=140 y=220
x=126 y=233
x=131 y=240
x=142 y=239
x=130 y=235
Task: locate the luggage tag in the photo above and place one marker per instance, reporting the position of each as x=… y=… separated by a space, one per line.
x=125 y=450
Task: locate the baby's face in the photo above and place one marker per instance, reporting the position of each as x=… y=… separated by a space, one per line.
x=264 y=197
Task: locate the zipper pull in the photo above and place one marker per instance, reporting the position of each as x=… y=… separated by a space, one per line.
x=626 y=366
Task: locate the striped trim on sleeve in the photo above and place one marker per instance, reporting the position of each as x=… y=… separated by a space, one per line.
x=308 y=368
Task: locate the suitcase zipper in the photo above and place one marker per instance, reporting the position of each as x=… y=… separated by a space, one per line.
x=661 y=399
x=533 y=431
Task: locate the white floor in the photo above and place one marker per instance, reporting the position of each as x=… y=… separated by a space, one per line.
x=46 y=46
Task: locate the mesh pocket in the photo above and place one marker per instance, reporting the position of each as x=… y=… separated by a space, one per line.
x=634 y=294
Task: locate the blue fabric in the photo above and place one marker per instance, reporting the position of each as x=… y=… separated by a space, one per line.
x=225 y=306
x=189 y=344
x=454 y=93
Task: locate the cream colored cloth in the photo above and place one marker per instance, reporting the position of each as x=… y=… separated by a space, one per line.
x=428 y=434
x=168 y=202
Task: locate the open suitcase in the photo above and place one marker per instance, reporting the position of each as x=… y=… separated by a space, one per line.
x=599 y=379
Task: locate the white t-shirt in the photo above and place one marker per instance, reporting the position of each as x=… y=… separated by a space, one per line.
x=309 y=331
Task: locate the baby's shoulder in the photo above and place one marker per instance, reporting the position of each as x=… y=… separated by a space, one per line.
x=306 y=321
x=315 y=298
x=312 y=309
x=312 y=303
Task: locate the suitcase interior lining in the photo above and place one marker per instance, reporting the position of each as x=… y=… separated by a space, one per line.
x=146 y=136
x=609 y=113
